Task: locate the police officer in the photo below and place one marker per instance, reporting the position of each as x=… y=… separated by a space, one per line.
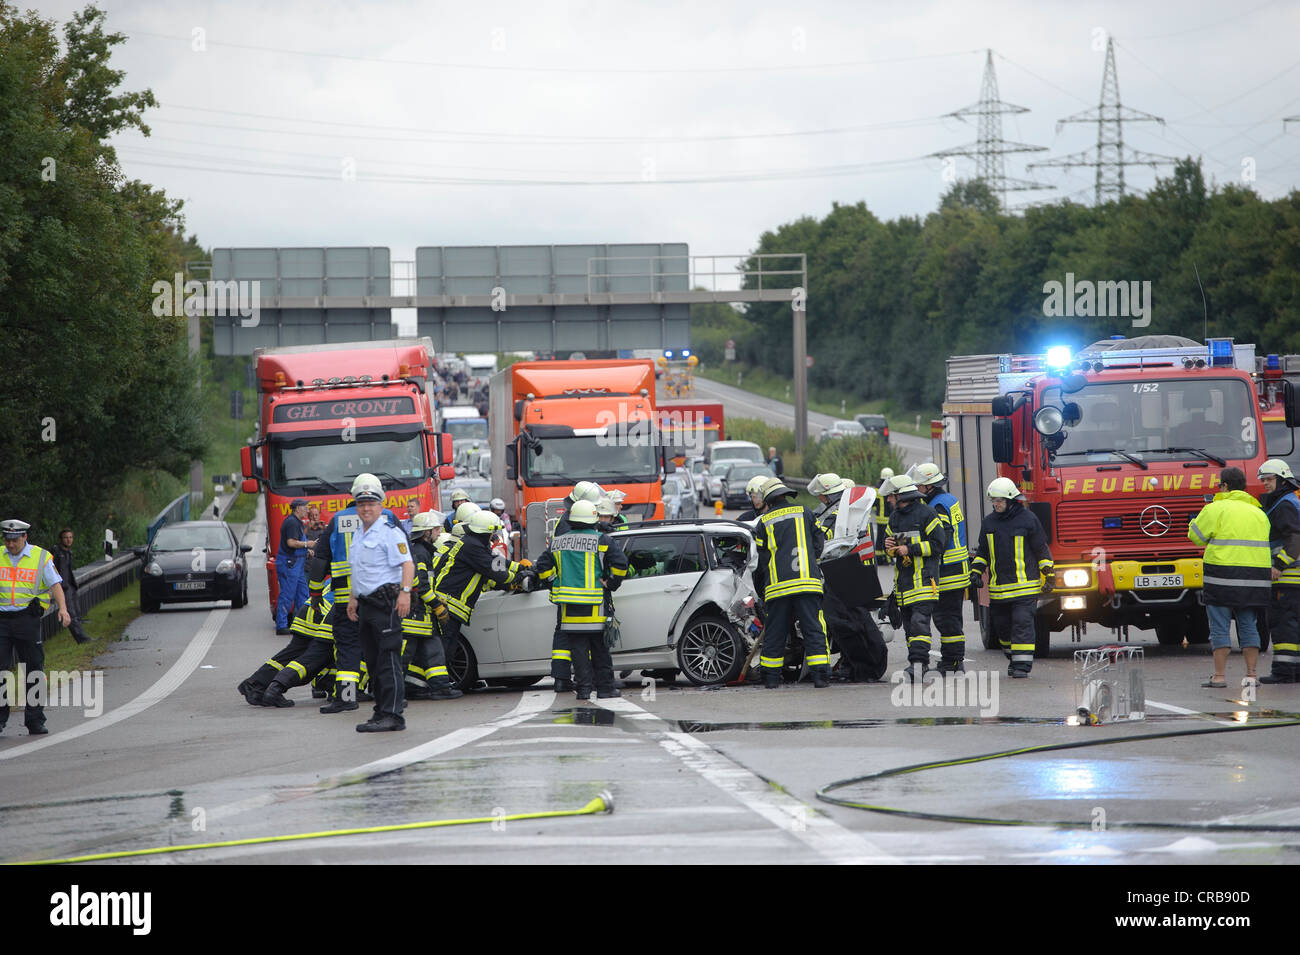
x=27 y=581
x=583 y=564
x=426 y=670
x=383 y=576
x=791 y=583
x=915 y=538
x=1013 y=548
x=465 y=571
x=291 y=564
x=954 y=568
x=333 y=555
x=883 y=509
x=1283 y=510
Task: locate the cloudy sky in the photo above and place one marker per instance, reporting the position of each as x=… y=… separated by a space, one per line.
x=449 y=123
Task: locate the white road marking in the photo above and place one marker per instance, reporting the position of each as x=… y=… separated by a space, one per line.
x=1186 y=712
x=167 y=684
x=819 y=832
x=624 y=741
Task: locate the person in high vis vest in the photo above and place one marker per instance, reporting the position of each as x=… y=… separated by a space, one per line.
x=915 y=538
x=790 y=581
x=467 y=569
x=561 y=653
x=881 y=515
x=426 y=669
x=754 y=491
x=1237 y=570
x=308 y=654
x=1282 y=508
x=954 y=567
x=27 y=582
x=582 y=566
x=1013 y=549
x=458 y=497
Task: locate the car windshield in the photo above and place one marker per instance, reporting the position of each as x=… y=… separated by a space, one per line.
x=849 y=426
x=601 y=459
x=480 y=492
x=1161 y=418
x=737 y=453
x=460 y=428
x=321 y=461
x=743 y=472
x=189 y=538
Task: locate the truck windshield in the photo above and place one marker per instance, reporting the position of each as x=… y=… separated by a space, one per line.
x=566 y=460
x=1281 y=443
x=307 y=462
x=460 y=428
x=1196 y=416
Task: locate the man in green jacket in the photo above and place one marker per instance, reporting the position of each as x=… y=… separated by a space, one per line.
x=1233 y=529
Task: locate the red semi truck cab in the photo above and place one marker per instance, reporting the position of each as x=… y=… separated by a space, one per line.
x=1116 y=449
x=554 y=423
x=330 y=412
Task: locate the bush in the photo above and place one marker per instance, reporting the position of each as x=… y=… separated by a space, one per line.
x=859 y=459
x=761 y=433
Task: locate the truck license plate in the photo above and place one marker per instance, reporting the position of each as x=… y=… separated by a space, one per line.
x=1159 y=580
x=190 y=585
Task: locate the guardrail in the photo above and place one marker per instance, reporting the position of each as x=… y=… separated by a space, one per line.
x=177 y=510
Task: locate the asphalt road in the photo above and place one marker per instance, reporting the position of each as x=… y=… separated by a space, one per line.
x=697 y=776
x=744 y=404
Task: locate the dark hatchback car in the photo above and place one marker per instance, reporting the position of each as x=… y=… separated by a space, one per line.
x=193 y=561
x=874 y=424
x=736 y=477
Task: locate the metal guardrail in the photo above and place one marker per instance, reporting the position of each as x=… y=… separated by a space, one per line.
x=177 y=510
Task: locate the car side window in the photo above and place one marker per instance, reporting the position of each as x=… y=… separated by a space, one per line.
x=662 y=555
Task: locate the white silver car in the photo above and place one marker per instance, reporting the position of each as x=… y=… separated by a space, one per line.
x=680 y=609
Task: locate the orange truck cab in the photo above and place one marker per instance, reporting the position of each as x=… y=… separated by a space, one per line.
x=554 y=423
x=1116 y=449
x=330 y=412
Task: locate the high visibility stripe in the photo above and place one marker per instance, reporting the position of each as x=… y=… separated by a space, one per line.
x=772 y=662
x=1235 y=581
x=436 y=672
x=561 y=654
x=919 y=638
x=1222 y=542
x=299 y=669
x=348 y=676
x=819 y=660
x=958 y=638
x=1193 y=529
x=274 y=664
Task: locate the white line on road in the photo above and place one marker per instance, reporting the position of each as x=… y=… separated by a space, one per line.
x=1186 y=712
x=562 y=739
x=819 y=832
x=166 y=685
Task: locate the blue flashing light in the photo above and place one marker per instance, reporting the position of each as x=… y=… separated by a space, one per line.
x=686 y=353
x=1220 y=353
x=1117 y=338
x=668 y=354
x=1111 y=523
x=1274 y=363
x=1058 y=356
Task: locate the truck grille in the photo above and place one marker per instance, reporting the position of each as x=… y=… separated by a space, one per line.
x=1082 y=522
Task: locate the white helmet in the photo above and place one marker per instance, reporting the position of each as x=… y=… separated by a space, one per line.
x=458 y=530
x=1004 y=488
x=927 y=474
x=497 y=504
x=588 y=491
x=828 y=483
x=458 y=495
x=484 y=522
x=903 y=486
x=1277 y=468
x=367 y=487
x=582 y=512
x=466 y=510
x=425 y=521
x=606 y=508
x=886 y=473
x=755 y=484
x=616 y=495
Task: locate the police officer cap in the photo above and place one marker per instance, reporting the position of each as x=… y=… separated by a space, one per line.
x=298 y=502
x=14 y=528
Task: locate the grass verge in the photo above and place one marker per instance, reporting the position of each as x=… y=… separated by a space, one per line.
x=106 y=622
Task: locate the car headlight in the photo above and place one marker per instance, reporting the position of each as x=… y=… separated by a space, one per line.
x=153 y=570
x=226 y=566
x=1075 y=577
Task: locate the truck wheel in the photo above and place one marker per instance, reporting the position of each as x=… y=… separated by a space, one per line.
x=1042 y=638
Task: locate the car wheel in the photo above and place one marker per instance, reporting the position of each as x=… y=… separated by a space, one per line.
x=463 y=666
x=241 y=598
x=710 y=652
x=148 y=605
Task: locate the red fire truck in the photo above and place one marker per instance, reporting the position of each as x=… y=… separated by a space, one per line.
x=1115 y=449
x=330 y=412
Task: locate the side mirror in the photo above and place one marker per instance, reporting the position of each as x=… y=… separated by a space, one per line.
x=249 y=486
x=1002 y=406
x=246 y=462
x=245 y=548
x=1003 y=443
x=446 y=472
x=140 y=552
x=512 y=462
x=1289 y=403
x=446 y=449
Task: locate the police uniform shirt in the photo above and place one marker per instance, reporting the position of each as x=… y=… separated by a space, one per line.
x=377 y=556
x=49 y=577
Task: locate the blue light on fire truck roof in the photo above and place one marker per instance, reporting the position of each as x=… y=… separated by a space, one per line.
x=686 y=353
x=1220 y=352
x=1058 y=356
x=668 y=354
x=1274 y=363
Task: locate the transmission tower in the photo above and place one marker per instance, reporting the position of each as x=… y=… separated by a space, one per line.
x=989 y=146
x=1111 y=156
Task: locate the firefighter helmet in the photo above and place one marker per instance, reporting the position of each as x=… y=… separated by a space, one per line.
x=484 y=522
x=1277 y=468
x=367 y=487
x=827 y=483
x=458 y=495
x=904 y=487
x=1004 y=488
x=617 y=496
x=588 y=491
x=465 y=511
x=774 y=489
x=755 y=484
x=886 y=473
x=582 y=512
x=927 y=474
x=606 y=508
x=425 y=521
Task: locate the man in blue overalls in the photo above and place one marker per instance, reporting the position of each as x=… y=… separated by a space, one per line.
x=291 y=565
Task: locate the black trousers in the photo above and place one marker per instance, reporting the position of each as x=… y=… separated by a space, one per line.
x=952 y=631
x=347 y=644
x=313 y=658
x=916 y=624
x=381 y=648
x=592 y=663
x=561 y=652
x=295 y=648
x=74 y=611
x=20 y=636
x=1013 y=622
x=781 y=615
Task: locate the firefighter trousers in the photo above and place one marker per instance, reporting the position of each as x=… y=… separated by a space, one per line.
x=1012 y=621
x=313 y=660
x=916 y=624
x=952 y=632
x=347 y=644
x=1284 y=625
x=592 y=664
x=561 y=653
x=297 y=647
x=782 y=612
x=427 y=664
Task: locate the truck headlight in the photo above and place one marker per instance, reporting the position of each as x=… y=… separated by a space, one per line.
x=1075 y=577
x=1072 y=603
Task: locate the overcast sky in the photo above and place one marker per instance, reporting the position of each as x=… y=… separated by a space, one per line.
x=255 y=130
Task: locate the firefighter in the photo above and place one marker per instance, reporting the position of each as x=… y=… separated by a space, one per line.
x=334 y=554
x=458 y=497
x=465 y=571
x=607 y=516
x=954 y=568
x=863 y=651
x=561 y=654
x=588 y=491
x=583 y=565
x=1283 y=510
x=426 y=668
x=754 y=490
x=1013 y=549
x=308 y=654
x=27 y=582
x=884 y=506
x=791 y=583
x=617 y=497
x=915 y=538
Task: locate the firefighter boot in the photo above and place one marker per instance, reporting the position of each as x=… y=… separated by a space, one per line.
x=345 y=699
x=251 y=692
x=273 y=695
x=1282 y=673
